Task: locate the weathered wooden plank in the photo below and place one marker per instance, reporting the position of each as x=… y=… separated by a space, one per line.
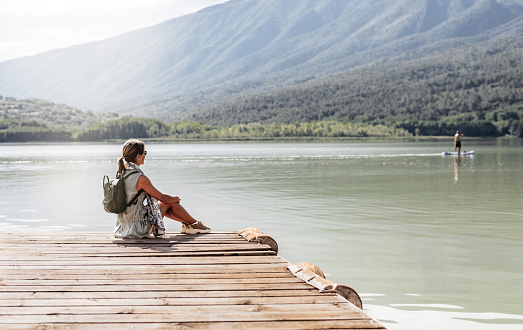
x=262 y=325
x=118 y=242
x=46 y=260
x=125 y=269
x=162 y=294
x=155 y=287
x=138 y=243
x=5 y=283
x=141 y=276
x=138 y=267
x=130 y=243
x=187 y=316
x=187 y=301
x=217 y=253
x=66 y=237
x=59 y=248
x=12 y=254
x=102 y=235
x=177 y=309
x=255 y=264
x=97 y=233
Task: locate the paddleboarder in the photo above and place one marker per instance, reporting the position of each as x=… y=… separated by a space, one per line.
x=457 y=141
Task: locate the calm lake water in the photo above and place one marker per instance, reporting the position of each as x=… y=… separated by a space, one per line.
x=428 y=241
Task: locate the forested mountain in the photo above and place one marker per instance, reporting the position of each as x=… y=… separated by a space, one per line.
x=53 y=115
x=246 y=47
x=480 y=85
x=23 y=120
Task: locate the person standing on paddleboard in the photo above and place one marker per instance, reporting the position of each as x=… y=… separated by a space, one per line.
x=457 y=141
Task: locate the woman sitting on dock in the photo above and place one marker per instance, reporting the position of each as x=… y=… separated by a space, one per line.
x=139 y=220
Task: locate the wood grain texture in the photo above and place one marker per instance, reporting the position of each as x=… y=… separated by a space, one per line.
x=212 y=281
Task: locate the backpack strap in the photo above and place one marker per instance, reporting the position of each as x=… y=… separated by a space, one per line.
x=135 y=198
x=128 y=175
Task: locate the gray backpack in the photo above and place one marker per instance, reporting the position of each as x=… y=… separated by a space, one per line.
x=115 y=198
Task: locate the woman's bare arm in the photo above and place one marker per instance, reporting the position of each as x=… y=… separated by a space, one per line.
x=145 y=184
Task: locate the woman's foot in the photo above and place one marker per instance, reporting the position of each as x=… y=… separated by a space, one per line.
x=195 y=228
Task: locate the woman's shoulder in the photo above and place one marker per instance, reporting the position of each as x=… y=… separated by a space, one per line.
x=132 y=176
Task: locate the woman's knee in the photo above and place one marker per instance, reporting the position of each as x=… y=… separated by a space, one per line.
x=172 y=207
x=164 y=207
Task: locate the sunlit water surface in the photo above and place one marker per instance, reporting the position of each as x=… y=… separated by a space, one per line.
x=428 y=241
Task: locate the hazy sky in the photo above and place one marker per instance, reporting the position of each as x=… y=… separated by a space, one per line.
x=28 y=27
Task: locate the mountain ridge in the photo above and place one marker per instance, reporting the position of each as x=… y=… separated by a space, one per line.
x=243 y=46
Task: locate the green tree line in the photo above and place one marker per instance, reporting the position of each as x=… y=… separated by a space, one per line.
x=24 y=130
x=128 y=127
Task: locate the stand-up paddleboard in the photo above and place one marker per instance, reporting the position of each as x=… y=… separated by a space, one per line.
x=463 y=153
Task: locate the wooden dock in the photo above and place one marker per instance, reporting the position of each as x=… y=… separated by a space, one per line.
x=220 y=280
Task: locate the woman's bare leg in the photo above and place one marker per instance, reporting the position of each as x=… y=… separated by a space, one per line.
x=176 y=212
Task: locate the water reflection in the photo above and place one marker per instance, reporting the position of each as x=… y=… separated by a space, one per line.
x=457 y=164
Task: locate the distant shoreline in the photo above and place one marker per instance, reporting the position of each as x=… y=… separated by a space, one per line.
x=282 y=139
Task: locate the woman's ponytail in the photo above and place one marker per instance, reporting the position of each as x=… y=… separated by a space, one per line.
x=121 y=167
x=130 y=150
